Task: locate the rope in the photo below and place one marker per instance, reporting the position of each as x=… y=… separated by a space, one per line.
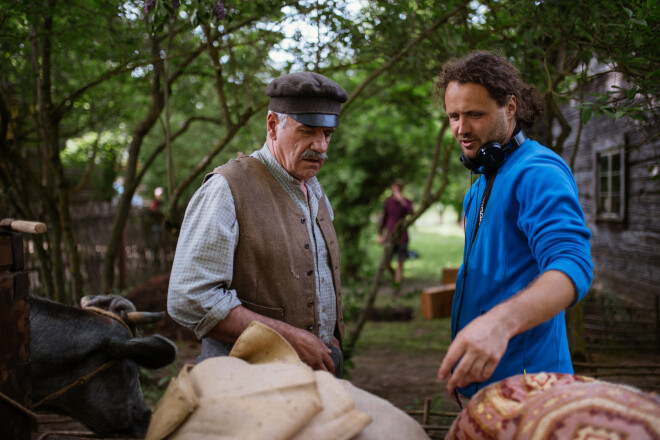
x=84 y=379
x=80 y=434
x=80 y=381
x=19 y=407
x=111 y=315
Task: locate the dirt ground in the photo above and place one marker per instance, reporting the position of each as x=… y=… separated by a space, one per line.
x=403 y=379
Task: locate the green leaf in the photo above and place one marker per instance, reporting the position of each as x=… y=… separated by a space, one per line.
x=586 y=115
x=638 y=116
x=609 y=112
x=639 y=22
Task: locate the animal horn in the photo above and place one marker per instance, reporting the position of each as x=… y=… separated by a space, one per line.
x=141 y=318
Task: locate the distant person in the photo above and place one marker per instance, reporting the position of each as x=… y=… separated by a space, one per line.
x=157 y=229
x=396 y=208
x=527 y=254
x=258 y=243
x=157 y=202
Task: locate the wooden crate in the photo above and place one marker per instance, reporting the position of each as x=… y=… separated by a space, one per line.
x=436 y=301
x=449 y=275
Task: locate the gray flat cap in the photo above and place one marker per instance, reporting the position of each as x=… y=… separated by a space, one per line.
x=309 y=98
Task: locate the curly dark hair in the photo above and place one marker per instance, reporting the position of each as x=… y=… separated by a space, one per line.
x=501 y=79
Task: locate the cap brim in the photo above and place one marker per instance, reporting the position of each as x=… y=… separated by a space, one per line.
x=316 y=119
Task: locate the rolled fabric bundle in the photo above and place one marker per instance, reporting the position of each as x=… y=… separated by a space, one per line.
x=561 y=406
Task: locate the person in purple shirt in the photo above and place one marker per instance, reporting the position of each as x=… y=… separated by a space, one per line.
x=396 y=207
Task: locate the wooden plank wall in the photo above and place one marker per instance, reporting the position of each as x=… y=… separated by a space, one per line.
x=626 y=254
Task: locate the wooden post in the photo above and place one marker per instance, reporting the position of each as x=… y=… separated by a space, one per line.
x=15 y=384
x=15 y=374
x=657 y=323
x=121 y=260
x=427 y=409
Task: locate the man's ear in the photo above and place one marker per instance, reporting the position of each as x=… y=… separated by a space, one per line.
x=511 y=106
x=271 y=125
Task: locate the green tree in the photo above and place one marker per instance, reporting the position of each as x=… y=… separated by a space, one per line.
x=44 y=102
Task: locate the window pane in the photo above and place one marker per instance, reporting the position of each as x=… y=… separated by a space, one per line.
x=604 y=185
x=605 y=205
x=609 y=177
x=603 y=160
x=616 y=205
x=616 y=162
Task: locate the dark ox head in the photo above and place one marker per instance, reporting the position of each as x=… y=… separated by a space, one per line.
x=68 y=343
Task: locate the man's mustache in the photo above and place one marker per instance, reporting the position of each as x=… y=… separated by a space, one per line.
x=314 y=154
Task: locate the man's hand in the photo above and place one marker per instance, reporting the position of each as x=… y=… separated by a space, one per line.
x=478 y=349
x=310 y=349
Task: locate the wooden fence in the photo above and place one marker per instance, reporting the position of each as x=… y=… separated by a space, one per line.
x=148 y=249
x=611 y=324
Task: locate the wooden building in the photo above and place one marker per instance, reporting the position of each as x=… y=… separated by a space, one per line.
x=617 y=170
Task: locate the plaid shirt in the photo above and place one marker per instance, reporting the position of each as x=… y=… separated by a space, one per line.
x=199 y=296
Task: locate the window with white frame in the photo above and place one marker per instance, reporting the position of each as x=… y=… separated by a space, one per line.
x=610 y=185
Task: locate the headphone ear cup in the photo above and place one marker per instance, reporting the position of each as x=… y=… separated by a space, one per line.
x=489 y=157
x=469 y=163
x=492 y=156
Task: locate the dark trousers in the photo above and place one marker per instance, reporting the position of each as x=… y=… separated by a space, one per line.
x=338 y=359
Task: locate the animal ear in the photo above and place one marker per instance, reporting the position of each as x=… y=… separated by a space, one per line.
x=152 y=351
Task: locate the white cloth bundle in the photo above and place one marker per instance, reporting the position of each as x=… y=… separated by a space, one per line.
x=262 y=390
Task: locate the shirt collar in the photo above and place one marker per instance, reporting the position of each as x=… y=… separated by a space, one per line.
x=282 y=176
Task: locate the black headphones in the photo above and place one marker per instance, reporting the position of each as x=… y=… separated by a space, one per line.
x=492 y=154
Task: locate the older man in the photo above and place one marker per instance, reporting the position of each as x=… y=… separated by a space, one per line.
x=257 y=242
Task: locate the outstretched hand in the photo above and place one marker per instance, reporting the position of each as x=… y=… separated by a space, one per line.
x=475 y=352
x=478 y=348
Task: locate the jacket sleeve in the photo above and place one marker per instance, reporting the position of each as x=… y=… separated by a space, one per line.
x=553 y=221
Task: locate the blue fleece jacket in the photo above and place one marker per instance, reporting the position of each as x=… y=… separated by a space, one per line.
x=533 y=222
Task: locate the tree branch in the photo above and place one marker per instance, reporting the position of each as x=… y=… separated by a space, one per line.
x=394 y=238
x=402 y=53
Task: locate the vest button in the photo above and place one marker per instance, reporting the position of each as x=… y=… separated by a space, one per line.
x=310 y=327
x=310 y=303
x=306 y=245
x=302 y=220
x=310 y=272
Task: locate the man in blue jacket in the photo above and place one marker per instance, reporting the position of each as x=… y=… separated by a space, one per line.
x=527 y=254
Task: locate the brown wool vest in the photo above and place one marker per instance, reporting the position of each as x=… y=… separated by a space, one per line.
x=274 y=265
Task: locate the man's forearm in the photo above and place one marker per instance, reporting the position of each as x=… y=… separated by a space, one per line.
x=239 y=318
x=309 y=347
x=543 y=299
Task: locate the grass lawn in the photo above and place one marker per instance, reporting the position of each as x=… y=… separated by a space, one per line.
x=399 y=360
x=438 y=242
